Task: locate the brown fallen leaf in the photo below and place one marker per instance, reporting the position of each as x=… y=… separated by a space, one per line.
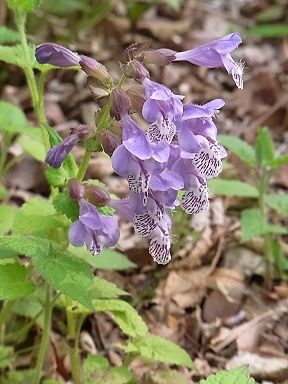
x=262 y=368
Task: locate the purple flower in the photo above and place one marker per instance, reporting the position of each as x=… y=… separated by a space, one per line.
x=217 y=54
x=195 y=199
x=197 y=138
x=58 y=153
x=160 y=241
x=51 y=53
x=163 y=109
x=94 y=230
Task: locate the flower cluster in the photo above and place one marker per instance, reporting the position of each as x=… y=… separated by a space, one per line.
x=174 y=149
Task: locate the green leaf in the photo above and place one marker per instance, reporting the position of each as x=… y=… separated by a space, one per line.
x=12 y=119
x=30 y=306
x=176 y=4
x=108 y=259
x=7 y=216
x=6 y=356
x=8 y=35
x=96 y=371
x=157 y=349
x=14 y=282
x=58 y=177
x=23 y=376
x=125 y=316
x=31 y=143
x=170 y=376
x=237 y=375
x=63 y=270
x=278 y=202
x=268 y=30
x=254 y=224
x=223 y=187
x=24 y=5
x=65 y=205
x=39 y=217
x=281 y=160
x=62 y=7
x=280 y=260
x=271 y=13
x=265 y=149
x=3 y=192
x=239 y=147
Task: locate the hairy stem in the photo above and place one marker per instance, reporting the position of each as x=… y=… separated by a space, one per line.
x=84 y=165
x=7 y=138
x=36 y=92
x=262 y=188
x=74 y=323
x=48 y=307
x=4 y=314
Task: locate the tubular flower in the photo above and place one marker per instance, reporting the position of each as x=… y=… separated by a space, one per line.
x=94 y=230
x=217 y=54
x=57 y=154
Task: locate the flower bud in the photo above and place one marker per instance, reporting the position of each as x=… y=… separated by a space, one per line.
x=136 y=71
x=136 y=94
x=92 y=68
x=82 y=131
x=95 y=195
x=109 y=142
x=121 y=103
x=159 y=57
x=75 y=189
x=134 y=50
x=51 y=53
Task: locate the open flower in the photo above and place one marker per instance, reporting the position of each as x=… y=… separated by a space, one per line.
x=215 y=54
x=94 y=230
x=163 y=109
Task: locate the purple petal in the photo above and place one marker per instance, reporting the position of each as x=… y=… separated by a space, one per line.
x=134 y=140
x=51 y=53
x=208 y=160
x=195 y=200
x=89 y=215
x=77 y=234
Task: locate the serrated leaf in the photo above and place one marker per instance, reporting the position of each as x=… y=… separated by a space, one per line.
x=12 y=119
x=239 y=147
x=125 y=316
x=238 y=375
x=65 y=205
x=157 y=349
x=6 y=355
x=107 y=259
x=24 y=5
x=14 y=282
x=265 y=149
x=7 y=216
x=8 y=35
x=278 y=202
x=223 y=187
x=38 y=217
x=63 y=270
x=96 y=371
x=31 y=143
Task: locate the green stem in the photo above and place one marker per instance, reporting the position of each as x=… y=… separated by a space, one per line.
x=84 y=165
x=45 y=336
x=262 y=188
x=7 y=138
x=74 y=323
x=4 y=314
x=36 y=92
